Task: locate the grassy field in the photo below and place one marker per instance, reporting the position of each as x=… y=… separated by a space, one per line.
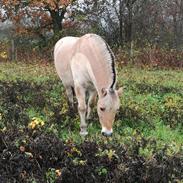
x=148 y=124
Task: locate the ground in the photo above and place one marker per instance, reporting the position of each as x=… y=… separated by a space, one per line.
x=40 y=141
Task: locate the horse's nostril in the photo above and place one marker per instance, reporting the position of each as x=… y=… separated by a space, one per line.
x=107 y=134
x=103 y=133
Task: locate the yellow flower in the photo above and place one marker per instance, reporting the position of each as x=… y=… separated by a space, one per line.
x=58 y=172
x=36 y=122
x=3 y=129
x=42 y=123
x=32 y=125
x=3 y=54
x=82 y=162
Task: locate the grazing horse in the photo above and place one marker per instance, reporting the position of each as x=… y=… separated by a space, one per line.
x=86 y=65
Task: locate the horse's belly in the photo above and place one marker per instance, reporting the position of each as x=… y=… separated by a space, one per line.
x=64 y=72
x=62 y=57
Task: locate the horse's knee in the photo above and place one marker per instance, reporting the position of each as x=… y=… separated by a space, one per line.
x=69 y=93
x=82 y=108
x=91 y=105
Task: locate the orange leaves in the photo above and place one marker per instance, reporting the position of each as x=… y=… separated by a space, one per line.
x=21 y=30
x=16 y=18
x=10 y=2
x=51 y=4
x=35 y=16
x=15 y=8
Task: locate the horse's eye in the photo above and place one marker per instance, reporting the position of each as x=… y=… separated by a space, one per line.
x=102 y=108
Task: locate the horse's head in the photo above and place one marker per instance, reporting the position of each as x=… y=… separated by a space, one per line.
x=107 y=106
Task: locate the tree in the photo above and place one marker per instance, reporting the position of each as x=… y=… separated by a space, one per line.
x=35 y=16
x=175 y=10
x=115 y=18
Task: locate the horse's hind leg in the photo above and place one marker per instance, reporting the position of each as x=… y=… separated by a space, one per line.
x=70 y=96
x=81 y=97
x=91 y=101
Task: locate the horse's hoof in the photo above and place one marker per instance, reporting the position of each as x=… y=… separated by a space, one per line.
x=83 y=133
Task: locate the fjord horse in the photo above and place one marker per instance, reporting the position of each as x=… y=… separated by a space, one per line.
x=87 y=65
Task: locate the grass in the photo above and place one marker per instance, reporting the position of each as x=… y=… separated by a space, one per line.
x=40 y=141
x=28 y=72
x=168 y=78
x=152 y=104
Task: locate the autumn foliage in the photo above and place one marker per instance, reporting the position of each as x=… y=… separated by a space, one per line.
x=152 y=56
x=35 y=16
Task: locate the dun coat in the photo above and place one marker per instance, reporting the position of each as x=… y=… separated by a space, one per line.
x=87 y=65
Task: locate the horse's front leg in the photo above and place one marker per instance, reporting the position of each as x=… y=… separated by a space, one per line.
x=81 y=95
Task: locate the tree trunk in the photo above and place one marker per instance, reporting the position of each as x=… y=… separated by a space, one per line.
x=12 y=54
x=121 y=23
x=175 y=32
x=128 y=27
x=57 y=17
x=129 y=22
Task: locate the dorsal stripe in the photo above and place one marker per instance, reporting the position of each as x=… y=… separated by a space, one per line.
x=112 y=64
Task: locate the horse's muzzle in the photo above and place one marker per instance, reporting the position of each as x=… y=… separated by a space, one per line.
x=106 y=133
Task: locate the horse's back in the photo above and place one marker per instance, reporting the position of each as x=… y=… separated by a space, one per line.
x=83 y=55
x=62 y=56
x=79 y=57
x=92 y=61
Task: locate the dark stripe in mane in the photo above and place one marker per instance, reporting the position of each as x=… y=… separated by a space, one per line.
x=112 y=65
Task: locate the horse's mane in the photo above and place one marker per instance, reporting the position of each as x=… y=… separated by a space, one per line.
x=109 y=57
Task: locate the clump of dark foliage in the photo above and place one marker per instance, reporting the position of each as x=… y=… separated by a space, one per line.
x=28 y=155
x=16 y=97
x=153 y=58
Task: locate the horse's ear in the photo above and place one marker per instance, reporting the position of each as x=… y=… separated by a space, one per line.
x=120 y=91
x=104 y=92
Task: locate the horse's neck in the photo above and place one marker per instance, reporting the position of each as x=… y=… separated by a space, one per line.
x=102 y=77
x=99 y=60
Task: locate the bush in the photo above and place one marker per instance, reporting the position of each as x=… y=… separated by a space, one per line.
x=146 y=145
x=152 y=56
x=31 y=155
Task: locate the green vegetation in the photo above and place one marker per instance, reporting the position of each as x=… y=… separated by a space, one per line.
x=149 y=122
x=152 y=102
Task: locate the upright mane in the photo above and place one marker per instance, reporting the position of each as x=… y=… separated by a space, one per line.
x=109 y=57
